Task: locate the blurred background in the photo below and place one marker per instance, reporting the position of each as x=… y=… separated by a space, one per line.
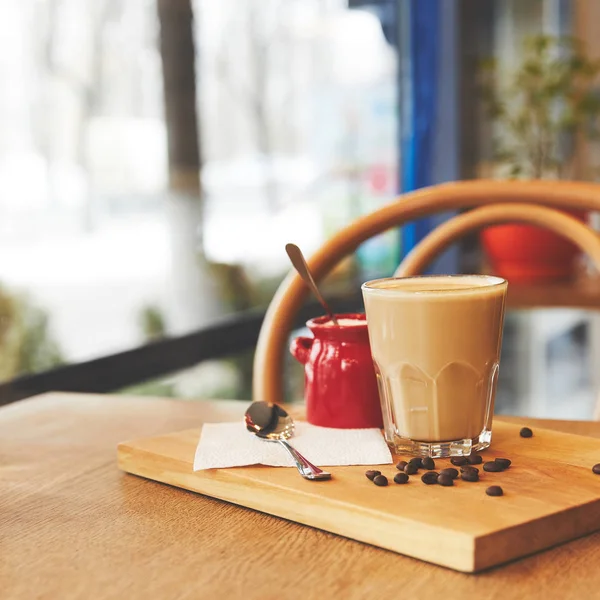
x=156 y=156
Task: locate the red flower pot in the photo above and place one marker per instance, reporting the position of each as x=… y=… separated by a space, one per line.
x=526 y=253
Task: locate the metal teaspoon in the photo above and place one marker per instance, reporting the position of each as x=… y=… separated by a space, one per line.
x=271 y=423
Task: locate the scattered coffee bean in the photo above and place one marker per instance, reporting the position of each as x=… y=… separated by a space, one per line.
x=372 y=474
x=401 y=478
x=475 y=459
x=428 y=463
x=411 y=469
x=470 y=475
x=526 y=432
x=417 y=461
x=503 y=462
x=596 y=469
x=450 y=472
x=400 y=466
x=494 y=490
x=467 y=468
x=380 y=480
x=445 y=479
x=459 y=460
x=430 y=477
x=492 y=467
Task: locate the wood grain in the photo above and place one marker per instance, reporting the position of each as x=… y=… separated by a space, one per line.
x=73 y=526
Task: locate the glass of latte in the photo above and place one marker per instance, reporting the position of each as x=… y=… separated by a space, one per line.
x=435 y=342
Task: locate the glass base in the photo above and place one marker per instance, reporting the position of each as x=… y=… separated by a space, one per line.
x=404 y=446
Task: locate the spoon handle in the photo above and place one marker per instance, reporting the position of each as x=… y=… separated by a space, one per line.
x=305 y=468
x=301 y=266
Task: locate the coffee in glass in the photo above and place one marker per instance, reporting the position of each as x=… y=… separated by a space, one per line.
x=435 y=342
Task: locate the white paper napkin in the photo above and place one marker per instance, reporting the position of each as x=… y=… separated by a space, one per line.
x=231 y=445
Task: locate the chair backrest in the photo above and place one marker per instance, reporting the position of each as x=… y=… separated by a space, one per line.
x=269 y=356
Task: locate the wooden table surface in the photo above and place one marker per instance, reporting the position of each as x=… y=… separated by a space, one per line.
x=73 y=526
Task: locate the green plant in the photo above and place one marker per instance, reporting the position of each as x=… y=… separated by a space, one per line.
x=152 y=323
x=542 y=106
x=9 y=336
x=26 y=344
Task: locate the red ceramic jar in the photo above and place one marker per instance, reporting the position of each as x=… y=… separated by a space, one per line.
x=340 y=383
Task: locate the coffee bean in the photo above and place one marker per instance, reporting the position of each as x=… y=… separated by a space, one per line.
x=468 y=468
x=450 y=472
x=475 y=459
x=401 y=478
x=430 y=477
x=417 y=461
x=380 y=480
x=445 y=479
x=400 y=466
x=459 y=460
x=470 y=475
x=428 y=463
x=596 y=469
x=503 y=462
x=526 y=432
x=492 y=467
x=494 y=490
x=411 y=469
x=372 y=474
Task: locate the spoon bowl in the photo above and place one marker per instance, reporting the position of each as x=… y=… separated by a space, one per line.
x=269 y=421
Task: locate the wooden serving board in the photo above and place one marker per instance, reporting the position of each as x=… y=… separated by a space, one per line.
x=550 y=496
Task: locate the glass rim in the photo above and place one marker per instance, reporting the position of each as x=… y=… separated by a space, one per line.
x=490 y=281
